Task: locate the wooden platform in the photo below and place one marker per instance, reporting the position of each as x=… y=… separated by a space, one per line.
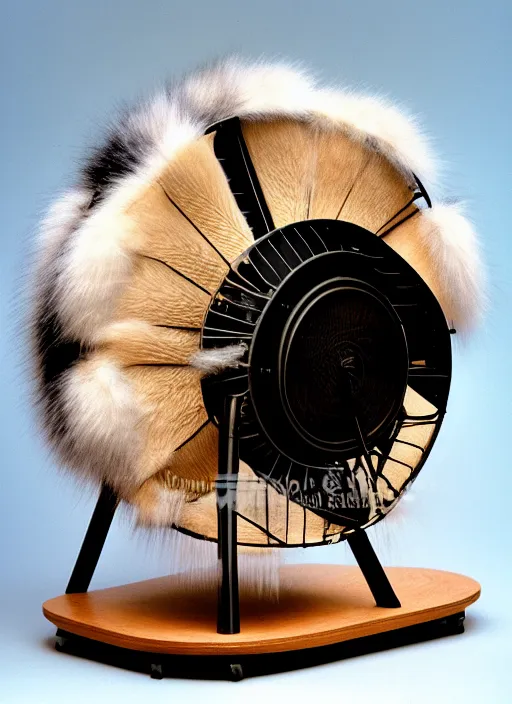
x=318 y=605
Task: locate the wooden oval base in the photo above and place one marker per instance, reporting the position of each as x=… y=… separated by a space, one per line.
x=318 y=605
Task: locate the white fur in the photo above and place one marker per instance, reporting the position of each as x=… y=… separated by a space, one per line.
x=258 y=89
x=198 y=565
x=395 y=133
x=266 y=90
x=454 y=246
x=213 y=361
x=168 y=131
x=163 y=508
x=62 y=218
x=93 y=273
x=103 y=418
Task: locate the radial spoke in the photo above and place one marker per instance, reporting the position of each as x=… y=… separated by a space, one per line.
x=233 y=155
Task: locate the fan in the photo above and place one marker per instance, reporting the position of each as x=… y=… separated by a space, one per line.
x=244 y=276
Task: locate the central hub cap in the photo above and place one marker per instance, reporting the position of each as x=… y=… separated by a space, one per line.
x=328 y=363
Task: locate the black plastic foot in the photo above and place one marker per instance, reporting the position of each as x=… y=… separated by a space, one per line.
x=237 y=673
x=156 y=671
x=60 y=643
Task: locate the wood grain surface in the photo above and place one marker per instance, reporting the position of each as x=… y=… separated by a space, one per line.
x=318 y=605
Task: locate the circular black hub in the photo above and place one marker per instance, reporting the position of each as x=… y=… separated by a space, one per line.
x=328 y=364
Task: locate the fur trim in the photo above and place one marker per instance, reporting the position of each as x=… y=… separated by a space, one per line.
x=151 y=133
x=52 y=352
x=102 y=414
x=196 y=561
x=379 y=124
x=158 y=506
x=453 y=243
x=62 y=219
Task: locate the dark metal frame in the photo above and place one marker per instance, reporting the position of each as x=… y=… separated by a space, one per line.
x=228 y=615
x=94 y=541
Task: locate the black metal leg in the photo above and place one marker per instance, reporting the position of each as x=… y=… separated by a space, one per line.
x=372 y=570
x=93 y=542
x=228 y=615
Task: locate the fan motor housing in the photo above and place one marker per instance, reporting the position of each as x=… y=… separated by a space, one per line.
x=337 y=326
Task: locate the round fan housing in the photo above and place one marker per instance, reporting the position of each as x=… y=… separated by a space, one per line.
x=342 y=335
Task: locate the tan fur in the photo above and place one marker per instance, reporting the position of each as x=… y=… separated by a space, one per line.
x=378 y=193
x=165 y=234
x=283 y=154
x=449 y=266
x=339 y=164
x=408 y=242
x=159 y=296
x=157 y=505
x=196 y=182
x=309 y=173
x=195 y=462
x=198 y=513
x=174 y=408
x=304 y=172
x=133 y=342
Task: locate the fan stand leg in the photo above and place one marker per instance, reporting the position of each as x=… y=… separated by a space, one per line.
x=373 y=571
x=228 y=613
x=90 y=551
x=94 y=541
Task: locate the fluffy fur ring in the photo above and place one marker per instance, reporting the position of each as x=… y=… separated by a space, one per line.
x=118 y=377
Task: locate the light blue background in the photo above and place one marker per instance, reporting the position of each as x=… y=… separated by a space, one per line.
x=64 y=66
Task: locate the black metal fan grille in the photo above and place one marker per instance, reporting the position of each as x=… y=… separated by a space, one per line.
x=235 y=314
x=237 y=308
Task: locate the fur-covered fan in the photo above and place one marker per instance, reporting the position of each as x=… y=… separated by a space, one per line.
x=126 y=266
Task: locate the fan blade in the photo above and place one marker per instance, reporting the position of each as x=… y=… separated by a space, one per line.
x=378 y=194
x=283 y=154
x=196 y=184
x=411 y=442
x=408 y=241
x=164 y=233
x=200 y=516
x=231 y=150
x=339 y=164
x=194 y=465
x=137 y=343
x=416 y=430
x=312 y=173
x=160 y=296
x=175 y=410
